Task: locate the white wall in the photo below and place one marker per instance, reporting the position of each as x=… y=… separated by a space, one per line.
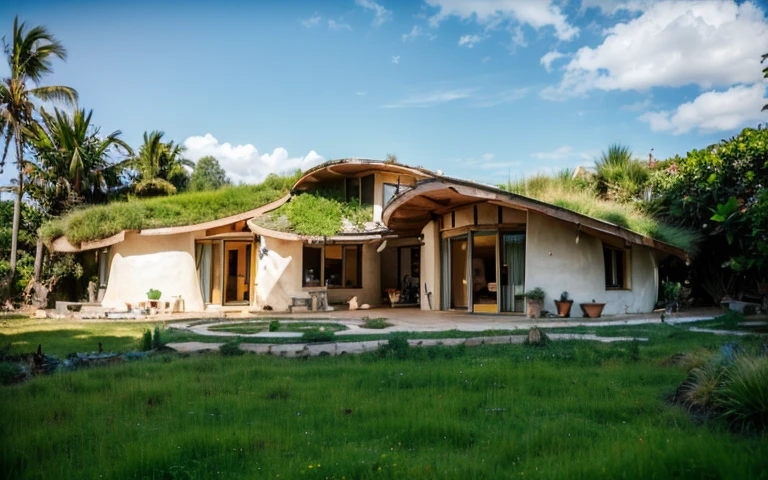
x=556 y=263
x=279 y=277
x=162 y=262
x=430 y=266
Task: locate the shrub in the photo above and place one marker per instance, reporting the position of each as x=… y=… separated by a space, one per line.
x=153 y=294
x=375 y=323
x=535 y=294
x=743 y=395
x=146 y=341
x=231 y=349
x=396 y=346
x=11 y=373
x=156 y=340
x=274 y=325
x=317 y=336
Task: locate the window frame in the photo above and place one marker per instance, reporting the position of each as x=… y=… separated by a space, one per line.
x=344 y=248
x=617 y=254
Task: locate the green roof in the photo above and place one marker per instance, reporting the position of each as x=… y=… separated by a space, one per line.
x=101 y=221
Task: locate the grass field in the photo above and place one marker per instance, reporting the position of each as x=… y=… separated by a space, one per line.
x=263 y=326
x=569 y=410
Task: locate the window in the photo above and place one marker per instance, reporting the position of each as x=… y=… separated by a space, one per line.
x=390 y=190
x=103 y=267
x=312 y=266
x=615 y=267
x=342 y=266
x=360 y=189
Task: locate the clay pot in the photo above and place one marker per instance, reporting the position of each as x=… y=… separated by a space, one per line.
x=534 y=308
x=564 y=308
x=592 y=310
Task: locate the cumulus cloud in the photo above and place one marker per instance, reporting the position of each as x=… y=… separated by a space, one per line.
x=550 y=57
x=712 y=111
x=508 y=13
x=381 y=14
x=470 y=41
x=672 y=44
x=244 y=163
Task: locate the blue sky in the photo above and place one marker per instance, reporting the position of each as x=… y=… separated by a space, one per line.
x=482 y=90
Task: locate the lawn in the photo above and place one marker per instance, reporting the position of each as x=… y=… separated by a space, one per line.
x=246 y=328
x=569 y=410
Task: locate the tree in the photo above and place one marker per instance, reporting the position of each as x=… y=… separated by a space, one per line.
x=160 y=167
x=208 y=175
x=72 y=162
x=29 y=55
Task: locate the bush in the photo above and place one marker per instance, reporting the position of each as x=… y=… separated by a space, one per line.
x=317 y=336
x=11 y=373
x=154 y=294
x=274 y=325
x=231 y=349
x=375 y=323
x=156 y=340
x=146 y=341
x=397 y=346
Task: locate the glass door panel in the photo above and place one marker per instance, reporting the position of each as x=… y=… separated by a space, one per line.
x=484 y=285
x=513 y=273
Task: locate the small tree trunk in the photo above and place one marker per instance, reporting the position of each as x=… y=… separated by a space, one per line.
x=17 y=208
x=38 y=258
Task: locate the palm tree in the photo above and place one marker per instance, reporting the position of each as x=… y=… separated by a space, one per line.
x=29 y=55
x=72 y=162
x=160 y=166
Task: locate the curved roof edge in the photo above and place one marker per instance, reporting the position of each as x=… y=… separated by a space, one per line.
x=480 y=192
x=418 y=172
x=62 y=244
x=348 y=237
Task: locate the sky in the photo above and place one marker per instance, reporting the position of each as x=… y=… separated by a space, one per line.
x=487 y=90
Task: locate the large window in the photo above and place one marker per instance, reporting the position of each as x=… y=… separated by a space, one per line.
x=615 y=267
x=360 y=189
x=341 y=266
x=390 y=190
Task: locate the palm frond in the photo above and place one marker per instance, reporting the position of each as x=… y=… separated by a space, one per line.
x=61 y=94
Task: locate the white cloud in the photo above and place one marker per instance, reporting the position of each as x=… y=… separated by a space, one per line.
x=361 y=94
x=336 y=26
x=381 y=14
x=396 y=59
x=487 y=156
x=565 y=152
x=509 y=13
x=486 y=59
x=312 y=21
x=611 y=7
x=470 y=41
x=432 y=98
x=639 y=105
x=550 y=57
x=244 y=163
x=672 y=44
x=411 y=36
x=712 y=111
x=501 y=97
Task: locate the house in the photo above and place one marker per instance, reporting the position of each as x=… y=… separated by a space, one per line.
x=443 y=243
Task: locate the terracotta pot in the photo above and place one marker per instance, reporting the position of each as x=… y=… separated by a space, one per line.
x=564 y=308
x=153 y=303
x=534 y=308
x=592 y=310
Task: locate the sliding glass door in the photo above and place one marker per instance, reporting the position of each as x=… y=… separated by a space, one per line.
x=513 y=272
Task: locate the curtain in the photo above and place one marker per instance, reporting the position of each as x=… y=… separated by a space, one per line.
x=204 y=269
x=514 y=246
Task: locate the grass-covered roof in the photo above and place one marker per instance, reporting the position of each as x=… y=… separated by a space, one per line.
x=101 y=221
x=562 y=191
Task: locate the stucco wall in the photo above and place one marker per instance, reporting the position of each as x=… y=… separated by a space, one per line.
x=162 y=262
x=279 y=276
x=430 y=266
x=380 y=178
x=556 y=263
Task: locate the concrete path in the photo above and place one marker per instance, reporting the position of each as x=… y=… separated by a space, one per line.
x=344 y=348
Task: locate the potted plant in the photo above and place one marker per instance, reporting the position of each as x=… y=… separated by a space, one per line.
x=592 y=310
x=564 y=305
x=153 y=296
x=535 y=300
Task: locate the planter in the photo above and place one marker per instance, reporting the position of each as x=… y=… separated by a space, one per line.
x=153 y=303
x=592 y=310
x=564 y=308
x=534 y=308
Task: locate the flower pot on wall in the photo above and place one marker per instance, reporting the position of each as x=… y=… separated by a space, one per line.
x=534 y=308
x=592 y=310
x=564 y=308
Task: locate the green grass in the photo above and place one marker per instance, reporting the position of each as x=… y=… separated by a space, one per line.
x=96 y=222
x=569 y=410
x=317 y=214
x=576 y=196
x=263 y=326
